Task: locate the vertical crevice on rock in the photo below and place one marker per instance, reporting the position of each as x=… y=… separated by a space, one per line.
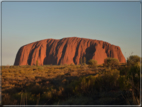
x=48 y=48
x=63 y=52
x=76 y=52
x=31 y=53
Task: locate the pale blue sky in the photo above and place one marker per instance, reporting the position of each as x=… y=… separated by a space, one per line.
x=24 y=22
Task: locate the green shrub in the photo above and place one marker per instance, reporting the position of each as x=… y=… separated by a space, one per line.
x=100 y=82
x=108 y=79
x=65 y=65
x=40 y=67
x=134 y=76
x=111 y=62
x=92 y=63
x=72 y=64
x=133 y=59
x=131 y=80
x=124 y=70
x=124 y=83
x=83 y=85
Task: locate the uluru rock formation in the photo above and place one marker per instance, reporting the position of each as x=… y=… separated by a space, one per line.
x=67 y=51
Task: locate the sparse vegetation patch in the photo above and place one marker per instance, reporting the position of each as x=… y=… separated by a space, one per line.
x=72 y=84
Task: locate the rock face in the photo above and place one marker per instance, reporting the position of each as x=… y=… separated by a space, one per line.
x=67 y=51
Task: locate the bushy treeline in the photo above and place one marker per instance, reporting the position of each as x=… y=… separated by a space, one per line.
x=113 y=62
x=116 y=85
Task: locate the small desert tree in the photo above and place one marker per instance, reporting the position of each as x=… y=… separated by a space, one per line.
x=92 y=63
x=111 y=62
x=133 y=59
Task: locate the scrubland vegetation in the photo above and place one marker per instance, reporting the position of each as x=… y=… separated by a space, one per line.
x=85 y=84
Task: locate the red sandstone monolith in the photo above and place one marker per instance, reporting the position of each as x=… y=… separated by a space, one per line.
x=67 y=51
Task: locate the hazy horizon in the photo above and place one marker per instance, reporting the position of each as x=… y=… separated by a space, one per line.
x=117 y=23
